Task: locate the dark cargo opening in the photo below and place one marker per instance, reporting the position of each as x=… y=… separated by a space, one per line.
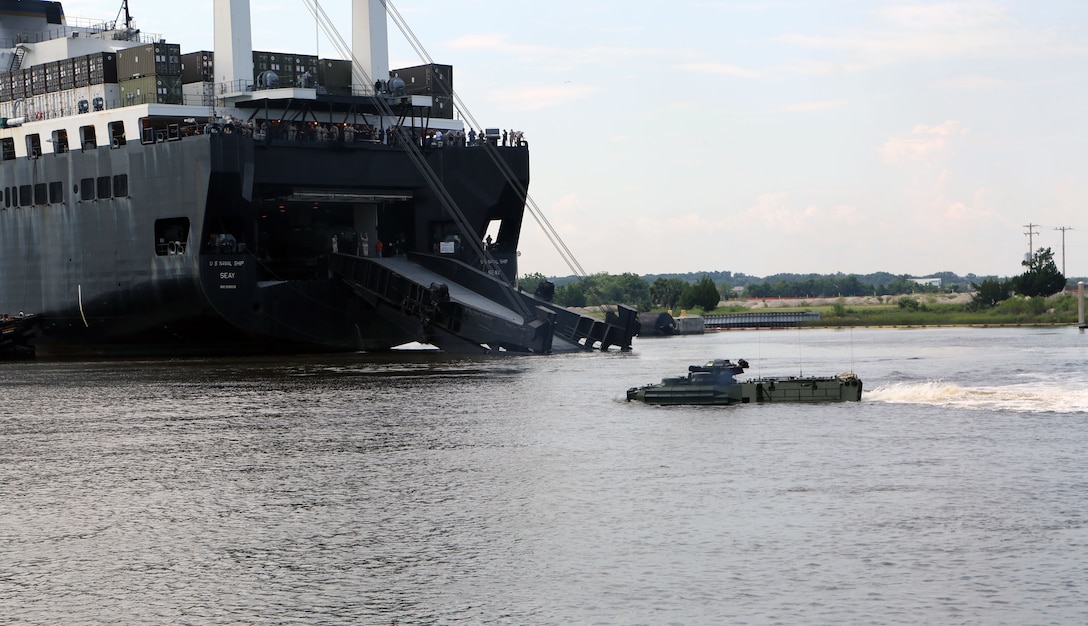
x=171 y=236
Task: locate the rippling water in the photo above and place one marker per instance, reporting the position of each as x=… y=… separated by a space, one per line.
x=419 y=488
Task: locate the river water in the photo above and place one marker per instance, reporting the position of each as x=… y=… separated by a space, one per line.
x=418 y=488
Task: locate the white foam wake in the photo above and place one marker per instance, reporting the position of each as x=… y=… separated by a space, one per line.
x=1035 y=397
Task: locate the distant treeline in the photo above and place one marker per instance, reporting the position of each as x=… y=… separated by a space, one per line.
x=687 y=290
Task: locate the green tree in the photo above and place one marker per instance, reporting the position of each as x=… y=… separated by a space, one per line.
x=529 y=282
x=1042 y=277
x=627 y=288
x=572 y=294
x=989 y=293
x=702 y=294
x=630 y=289
x=665 y=292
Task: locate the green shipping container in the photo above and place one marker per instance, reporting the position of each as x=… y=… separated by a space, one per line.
x=151 y=90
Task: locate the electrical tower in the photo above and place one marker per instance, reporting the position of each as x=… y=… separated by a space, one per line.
x=1063 y=229
x=1031 y=231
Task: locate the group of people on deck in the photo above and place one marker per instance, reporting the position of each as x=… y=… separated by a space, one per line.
x=457 y=138
x=359 y=244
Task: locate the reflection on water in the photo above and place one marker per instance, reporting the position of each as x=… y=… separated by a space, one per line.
x=422 y=488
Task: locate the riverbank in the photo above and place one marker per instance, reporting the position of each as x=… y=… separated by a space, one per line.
x=907 y=310
x=853 y=301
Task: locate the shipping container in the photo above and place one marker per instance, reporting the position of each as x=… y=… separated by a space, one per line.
x=52 y=76
x=198 y=67
x=427 y=80
x=37 y=80
x=151 y=90
x=81 y=72
x=102 y=67
x=334 y=74
x=158 y=59
x=198 y=94
x=291 y=68
x=67 y=74
x=95 y=97
x=442 y=107
x=18 y=85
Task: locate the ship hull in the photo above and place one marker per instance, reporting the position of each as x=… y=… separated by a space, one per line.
x=220 y=244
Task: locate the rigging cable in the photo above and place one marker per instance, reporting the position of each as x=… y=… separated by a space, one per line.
x=415 y=154
x=534 y=210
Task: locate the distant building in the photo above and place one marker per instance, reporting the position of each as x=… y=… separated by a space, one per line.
x=927 y=282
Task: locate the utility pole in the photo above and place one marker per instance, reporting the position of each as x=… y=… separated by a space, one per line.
x=1063 y=229
x=1031 y=231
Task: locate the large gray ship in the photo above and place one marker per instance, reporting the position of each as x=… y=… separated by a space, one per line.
x=244 y=203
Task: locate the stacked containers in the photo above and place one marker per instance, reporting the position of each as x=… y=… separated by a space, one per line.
x=427 y=80
x=290 y=68
x=158 y=59
x=433 y=80
x=50 y=87
x=150 y=74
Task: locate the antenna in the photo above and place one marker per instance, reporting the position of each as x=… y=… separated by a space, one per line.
x=128 y=16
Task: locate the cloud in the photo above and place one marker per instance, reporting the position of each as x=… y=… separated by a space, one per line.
x=924 y=145
x=774 y=211
x=687 y=224
x=537 y=98
x=815 y=106
x=717 y=69
x=567 y=204
x=970 y=82
x=557 y=58
x=931 y=31
x=943 y=31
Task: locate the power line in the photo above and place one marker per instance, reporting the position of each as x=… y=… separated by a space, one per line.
x=1031 y=231
x=1063 y=229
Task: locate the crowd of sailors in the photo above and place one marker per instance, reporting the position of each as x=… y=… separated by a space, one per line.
x=365 y=133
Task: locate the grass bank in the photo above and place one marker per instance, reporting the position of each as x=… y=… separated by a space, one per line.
x=1059 y=309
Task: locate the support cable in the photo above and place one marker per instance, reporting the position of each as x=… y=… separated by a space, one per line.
x=534 y=210
x=415 y=154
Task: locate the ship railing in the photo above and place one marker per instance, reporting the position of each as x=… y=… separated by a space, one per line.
x=77 y=27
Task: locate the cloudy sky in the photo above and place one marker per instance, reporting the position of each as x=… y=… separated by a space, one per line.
x=757 y=136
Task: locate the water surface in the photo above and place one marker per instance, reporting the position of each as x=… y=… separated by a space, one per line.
x=421 y=488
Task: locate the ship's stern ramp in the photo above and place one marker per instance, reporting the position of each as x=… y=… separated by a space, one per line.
x=456 y=308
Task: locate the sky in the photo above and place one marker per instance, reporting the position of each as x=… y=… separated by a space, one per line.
x=756 y=136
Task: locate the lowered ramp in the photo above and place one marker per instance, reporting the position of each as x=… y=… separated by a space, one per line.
x=457 y=308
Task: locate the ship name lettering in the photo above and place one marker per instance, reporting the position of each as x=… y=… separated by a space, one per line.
x=226 y=275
